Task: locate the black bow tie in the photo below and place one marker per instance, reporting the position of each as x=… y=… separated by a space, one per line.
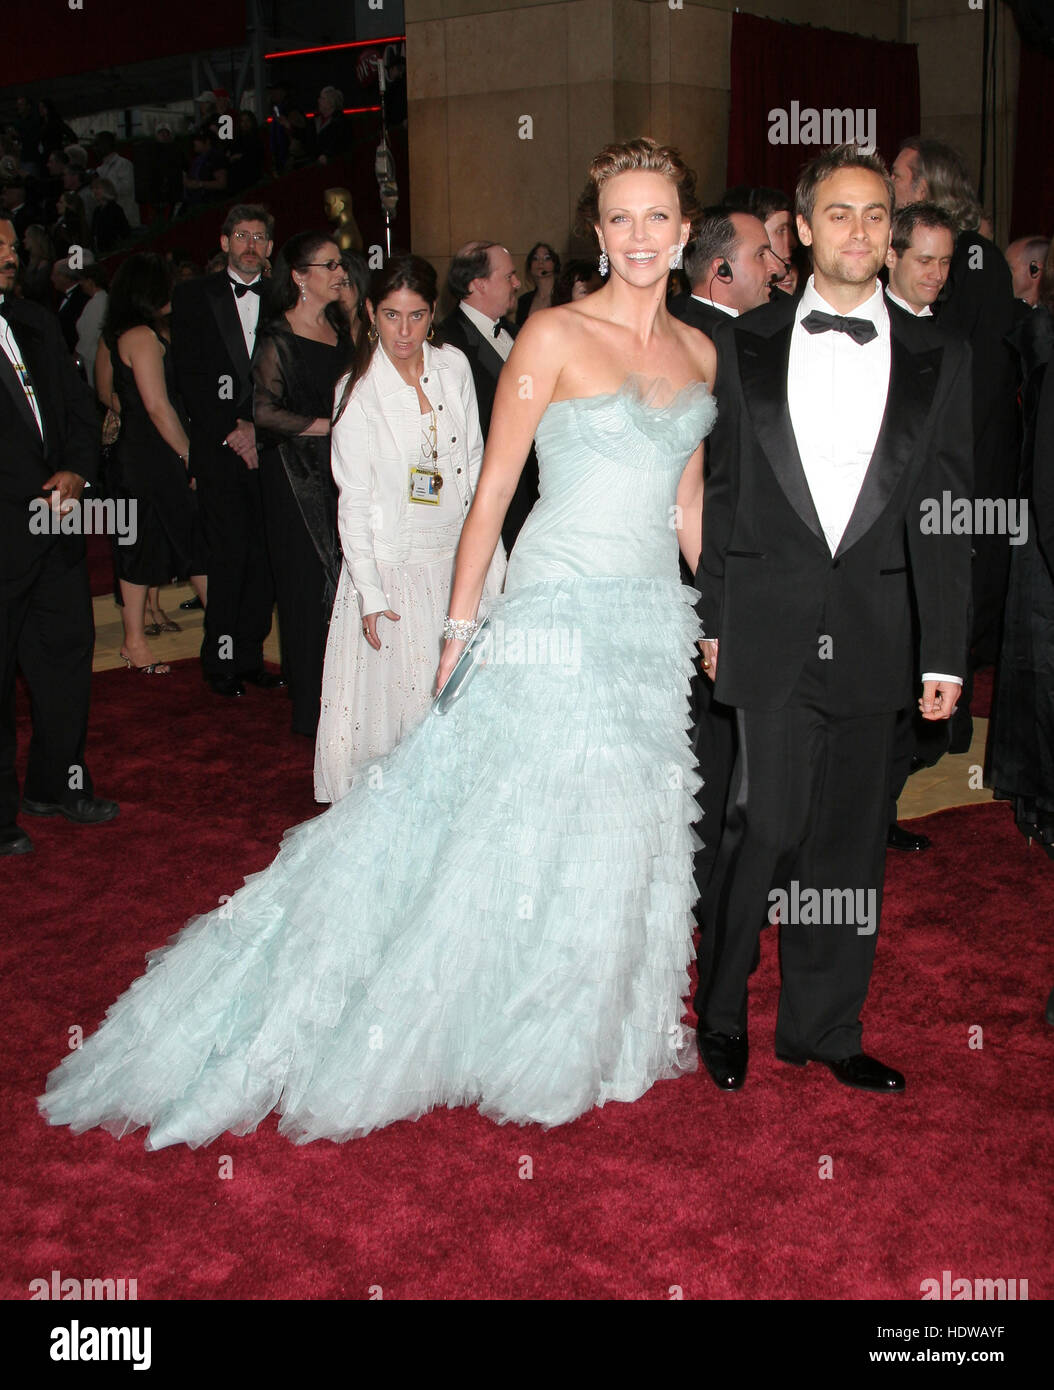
x=497 y=329
x=860 y=330
x=241 y=289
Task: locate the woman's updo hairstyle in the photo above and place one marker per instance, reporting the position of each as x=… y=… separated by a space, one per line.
x=642 y=155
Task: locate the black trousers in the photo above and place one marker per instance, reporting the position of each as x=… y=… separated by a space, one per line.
x=808 y=811
x=47 y=631
x=241 y=589
x=299 y=585
x=714 y=743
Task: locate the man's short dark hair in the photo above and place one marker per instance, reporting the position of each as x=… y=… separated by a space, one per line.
x=830 y=162
x=717 y=237
x=248 y=212
x=105 y=141
x=766 y=201
x=906 y=219
x=469 y=264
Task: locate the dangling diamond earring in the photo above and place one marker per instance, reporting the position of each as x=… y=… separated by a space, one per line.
x=303 y=294
x=602 y=263
x=678 y=258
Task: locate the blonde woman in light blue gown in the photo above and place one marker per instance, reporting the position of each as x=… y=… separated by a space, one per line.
x=501 y=914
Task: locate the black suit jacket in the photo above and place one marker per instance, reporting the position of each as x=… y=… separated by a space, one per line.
x=702 y=316
x=70 y=310
x=484 y=359
x=769 y=585
x=71 y=436
x=486 y=364
x=213 y=369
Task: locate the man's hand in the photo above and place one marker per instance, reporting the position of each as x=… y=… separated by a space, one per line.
x=939 y=699
x=242 y=438
x=69 y=487
x=250 y=458
x=709 y=651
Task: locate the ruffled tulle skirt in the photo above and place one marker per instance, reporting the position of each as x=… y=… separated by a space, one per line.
x=498 y=913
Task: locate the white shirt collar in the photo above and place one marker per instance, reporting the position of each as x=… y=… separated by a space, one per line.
x=237 y=279
x=924 y=313
x=485 y=324
x=873 y=308
x=725 y=308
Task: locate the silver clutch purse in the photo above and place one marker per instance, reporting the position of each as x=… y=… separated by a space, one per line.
x=477 y=649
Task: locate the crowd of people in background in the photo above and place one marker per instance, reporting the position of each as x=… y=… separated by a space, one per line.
x=293 y=489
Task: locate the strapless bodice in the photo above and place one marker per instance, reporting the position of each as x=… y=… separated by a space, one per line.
x=608 y=469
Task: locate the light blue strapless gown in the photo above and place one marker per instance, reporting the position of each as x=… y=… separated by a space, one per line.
x=499 y=912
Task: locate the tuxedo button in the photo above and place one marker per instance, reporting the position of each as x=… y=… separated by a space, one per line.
x=440 y=407
x=453 y=439
x=459 y=470
x=424 y=380
x=835 y=564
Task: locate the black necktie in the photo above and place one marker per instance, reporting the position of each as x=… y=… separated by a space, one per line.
x=860 y=330
x=241 y=289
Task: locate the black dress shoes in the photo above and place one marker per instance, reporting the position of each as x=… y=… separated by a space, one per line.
x=230 y=686
x=14 y=840
x=189 y=603
x=266 y=680
x=84 y=810
x=899 y=838
x=864 y=1072
x=725 y=1058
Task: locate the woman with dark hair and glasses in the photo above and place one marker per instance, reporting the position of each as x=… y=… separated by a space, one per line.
x=407 y=450
x=151 y=454
x=300 y=355
x=543 y=266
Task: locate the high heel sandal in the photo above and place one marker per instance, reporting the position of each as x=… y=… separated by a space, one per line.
x=155 y=668
x=160 y=622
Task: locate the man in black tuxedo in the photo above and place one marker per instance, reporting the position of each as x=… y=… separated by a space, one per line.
x=921 y=245
x=482 y=278
x=213 y=340
x=730 y=266
x=837 y=422
x=50 y=436
x=978 y=305
x=72 y=300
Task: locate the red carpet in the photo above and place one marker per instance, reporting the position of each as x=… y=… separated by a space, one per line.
x=720 y=1195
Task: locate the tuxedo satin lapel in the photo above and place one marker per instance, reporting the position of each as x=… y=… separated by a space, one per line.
x=763 y=375
x=912 y=382
x=222 y=301
x=27 y=345
x=489 y=357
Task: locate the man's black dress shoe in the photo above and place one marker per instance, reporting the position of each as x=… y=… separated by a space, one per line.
x=230 y=686
x=725 y=1058
x=266 y=680
x=189 y=603
x=14 y=840
x=899 y=838
x=864 y=1072
x=85 y=810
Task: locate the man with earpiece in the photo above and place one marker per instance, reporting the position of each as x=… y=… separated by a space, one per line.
x=730 y=266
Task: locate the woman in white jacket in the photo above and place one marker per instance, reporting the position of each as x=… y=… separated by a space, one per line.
x=406 y=454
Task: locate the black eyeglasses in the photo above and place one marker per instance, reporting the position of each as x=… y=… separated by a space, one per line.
x=321 y=265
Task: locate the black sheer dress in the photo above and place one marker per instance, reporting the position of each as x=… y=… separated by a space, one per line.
x=294 y=379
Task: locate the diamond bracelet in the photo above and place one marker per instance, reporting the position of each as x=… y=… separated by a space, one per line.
x=460 y=629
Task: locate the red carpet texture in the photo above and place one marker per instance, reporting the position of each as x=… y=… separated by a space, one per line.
x=719 y=1196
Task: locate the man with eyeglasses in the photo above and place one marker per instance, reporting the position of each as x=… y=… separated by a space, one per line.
x=214 y=323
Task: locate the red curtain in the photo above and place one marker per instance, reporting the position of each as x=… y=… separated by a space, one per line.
x=1033 y=211
x=54 y=41
x=775 y=65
